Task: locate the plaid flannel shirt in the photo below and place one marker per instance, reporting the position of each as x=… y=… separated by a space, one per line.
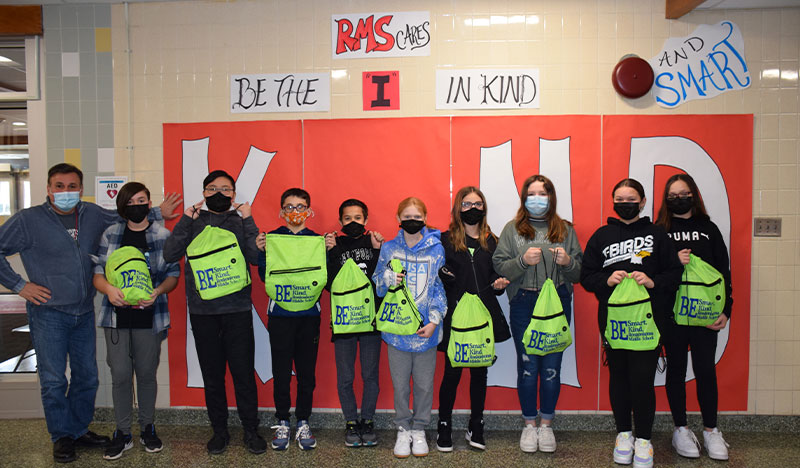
x=159 y=271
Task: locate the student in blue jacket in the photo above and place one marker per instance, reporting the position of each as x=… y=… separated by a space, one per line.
x=419 y=249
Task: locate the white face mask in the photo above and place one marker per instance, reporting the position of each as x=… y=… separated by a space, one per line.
x=65 y=201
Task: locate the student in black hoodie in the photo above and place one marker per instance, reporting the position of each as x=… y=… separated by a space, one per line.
x=683 y=215
x=468 y=249
x=222 y=327
x=631 y=246
x=363 y=247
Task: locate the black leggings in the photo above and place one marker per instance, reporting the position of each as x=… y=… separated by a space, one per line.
x=630 y=388
x=477 y=390
x=703 y=344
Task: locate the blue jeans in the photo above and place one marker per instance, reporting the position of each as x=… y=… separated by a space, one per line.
x=345 y=350
x=534 y=371
x=68 y=406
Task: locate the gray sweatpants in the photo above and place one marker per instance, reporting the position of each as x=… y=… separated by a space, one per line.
x=129 y=350
x=404 y=366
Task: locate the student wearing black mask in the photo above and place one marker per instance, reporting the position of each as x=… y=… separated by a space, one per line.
x=631 y=247
x=683 y=215
x=222 y=326
x=468 y=248
x=134 y=333
x=363 y=247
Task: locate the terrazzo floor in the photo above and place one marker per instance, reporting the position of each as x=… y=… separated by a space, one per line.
x=25 y=443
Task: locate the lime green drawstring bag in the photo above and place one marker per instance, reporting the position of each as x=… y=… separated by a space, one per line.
x=127 y=269
x=296 y=270
x=548 y=331
x=701 y=295
x=630 y=323
x=471 y=334
x=399 y=314
x=217 y=263
x=352 y=301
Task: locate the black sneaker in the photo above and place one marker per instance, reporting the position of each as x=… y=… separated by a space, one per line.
x=352 y=438
x=254 y=442
x=150 y=440
x=475 y=434
x=368 y=436
x=64 y=450
x=444 y=437
x=120 y=443
x=90 y=439
x=218 y=443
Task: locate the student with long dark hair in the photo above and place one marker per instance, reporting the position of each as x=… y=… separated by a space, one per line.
x=533 y=246
x=683 y=215
x=631 y=247
x=468 y=249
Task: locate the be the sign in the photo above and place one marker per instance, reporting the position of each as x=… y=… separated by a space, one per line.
x=294 y=92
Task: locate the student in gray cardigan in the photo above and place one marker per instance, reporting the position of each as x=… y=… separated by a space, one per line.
x=537 y=244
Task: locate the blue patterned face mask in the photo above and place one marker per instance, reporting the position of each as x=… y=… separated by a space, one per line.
x=66 y=201
x=537 y=205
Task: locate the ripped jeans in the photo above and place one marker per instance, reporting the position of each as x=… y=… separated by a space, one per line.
x=535 y=371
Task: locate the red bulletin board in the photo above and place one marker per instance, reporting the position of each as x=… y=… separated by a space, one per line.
x=382 y=161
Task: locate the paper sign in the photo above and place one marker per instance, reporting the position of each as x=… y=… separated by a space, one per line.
x=381 y=90
x=487 y=89
x=107 y=189
x=701 y=66
x=378 y=35
x=281 y=92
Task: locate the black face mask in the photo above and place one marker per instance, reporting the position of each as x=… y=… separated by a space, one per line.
x=218 y=202
x=680 y=206
x=353 y=229
x=472 y=216
x=627 y=210
x=136 y=213
x=412 y=226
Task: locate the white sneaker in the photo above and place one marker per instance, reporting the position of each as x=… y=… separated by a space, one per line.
x=643 y=454
x=715 y=445
x=529 y=441
x=419 y=444
x=685 y=443
x=402 y=447
x=623 y=448
x=547 y=440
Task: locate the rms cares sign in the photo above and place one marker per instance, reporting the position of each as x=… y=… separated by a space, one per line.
x=381 y=35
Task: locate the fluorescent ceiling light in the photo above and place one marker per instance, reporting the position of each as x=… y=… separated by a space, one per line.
x=19 y=124
x=3 y=58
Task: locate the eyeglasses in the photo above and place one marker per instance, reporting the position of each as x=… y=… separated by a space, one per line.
x=213 y=189
x=465 y=205
x=682 y=196
x=298 y=208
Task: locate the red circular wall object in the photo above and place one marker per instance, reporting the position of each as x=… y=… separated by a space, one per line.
x=632 y=77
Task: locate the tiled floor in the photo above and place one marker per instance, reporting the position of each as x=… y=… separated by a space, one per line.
x=25 y=443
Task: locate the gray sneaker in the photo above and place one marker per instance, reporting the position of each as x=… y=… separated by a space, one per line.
x=368 y=436
x=351 y=435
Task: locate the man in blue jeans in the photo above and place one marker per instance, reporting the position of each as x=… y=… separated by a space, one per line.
x=55 y=241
